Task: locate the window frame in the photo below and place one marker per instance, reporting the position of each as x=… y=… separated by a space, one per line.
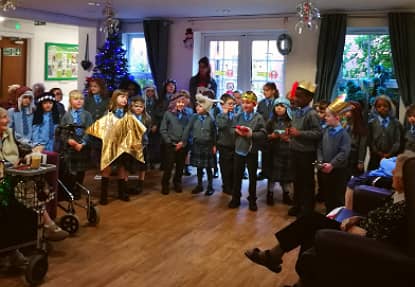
x=245 y=48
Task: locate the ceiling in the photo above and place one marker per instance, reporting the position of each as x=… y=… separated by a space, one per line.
x=139 y=9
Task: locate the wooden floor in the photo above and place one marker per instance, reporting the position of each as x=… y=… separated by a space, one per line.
x=174 y=240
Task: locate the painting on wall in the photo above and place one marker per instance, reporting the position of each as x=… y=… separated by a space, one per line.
x=61 y=61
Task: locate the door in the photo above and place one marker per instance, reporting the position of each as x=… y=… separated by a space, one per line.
x=13 y=65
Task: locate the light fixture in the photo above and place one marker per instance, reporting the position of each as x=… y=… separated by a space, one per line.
x=308 y=17
x=7 y=5
x=110 y=24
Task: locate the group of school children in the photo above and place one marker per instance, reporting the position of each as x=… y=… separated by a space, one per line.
x=294 y=139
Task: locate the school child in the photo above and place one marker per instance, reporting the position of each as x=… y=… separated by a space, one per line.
x=279 y=168
x=45 y=121
x=357 y=130
x=138 y=109
x=238 y=101
x=304 y=133
x=202 y=130
x=410 y=132
x=21 y=117
x=96 y=103
x=333 y=156
x=154 y=137
x=320 y=108
x=384 y=132
x=57 y=92
x=226 y=141
x=249 y=133
x=117 y=109
x=75 y=146
x=265 y=109
x=172 y=128
x=169 y=90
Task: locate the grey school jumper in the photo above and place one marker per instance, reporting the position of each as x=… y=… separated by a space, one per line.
x=309 y=127
x=334 y=149
x=226 y=137
x=259 y=134
x=172 y=128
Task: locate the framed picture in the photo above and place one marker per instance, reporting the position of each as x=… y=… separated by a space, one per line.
x=61 y=62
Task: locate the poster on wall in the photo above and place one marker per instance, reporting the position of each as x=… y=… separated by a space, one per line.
x=61 y=62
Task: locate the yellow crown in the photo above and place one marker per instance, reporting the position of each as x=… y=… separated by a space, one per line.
x=339 y=106
x=250 y=96
x=308 y=86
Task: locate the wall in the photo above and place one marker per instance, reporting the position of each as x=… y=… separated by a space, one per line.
x=300 y=65
x=56 y=33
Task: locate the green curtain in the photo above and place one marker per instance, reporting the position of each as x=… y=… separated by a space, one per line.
x=329 y=54
x=402 y=38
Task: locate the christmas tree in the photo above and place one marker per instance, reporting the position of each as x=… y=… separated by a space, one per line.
x=110 y=62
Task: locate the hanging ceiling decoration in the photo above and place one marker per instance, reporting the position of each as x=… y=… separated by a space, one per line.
x=7 y=5
x=110 y=24
x=308 y=17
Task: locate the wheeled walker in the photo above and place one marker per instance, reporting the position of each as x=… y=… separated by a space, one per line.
x=25 y=193
x=70 y=221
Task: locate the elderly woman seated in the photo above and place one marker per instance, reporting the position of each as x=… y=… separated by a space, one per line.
x=9 y=152
x=385 y=223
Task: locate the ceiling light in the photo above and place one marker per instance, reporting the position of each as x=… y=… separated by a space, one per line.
x=7 y=5
x=97 y=4
x=308 y=16
x=111 y=24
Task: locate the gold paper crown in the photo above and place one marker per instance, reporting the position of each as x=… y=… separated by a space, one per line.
x=308 y=86
x=339 y=106
x=250 y=96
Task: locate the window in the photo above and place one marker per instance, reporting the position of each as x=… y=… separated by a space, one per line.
x=245 y=62
x=138 y=65
x=367 y=68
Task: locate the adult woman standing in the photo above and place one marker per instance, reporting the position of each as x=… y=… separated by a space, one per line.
x=202 y=79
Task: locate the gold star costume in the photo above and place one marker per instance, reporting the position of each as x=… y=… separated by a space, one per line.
x=118 y=136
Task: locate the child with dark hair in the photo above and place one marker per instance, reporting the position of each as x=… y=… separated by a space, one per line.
x=203 y=79
x=265 y=109
x=226 y=141
x=357 y=130
x=384 y=132
x=138 y=109
x=169 y=89
x=305 y=133
x=96 y=103
x=238 y=101
x=249 y=133
x=320 y=108
x=172 y=128
x=154 y=138
x=57 y=92
x=133 y=88
x=279 y=168
x=45 y=121
x=410 y=133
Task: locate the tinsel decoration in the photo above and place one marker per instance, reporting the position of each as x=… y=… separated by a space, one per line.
x=5 y=192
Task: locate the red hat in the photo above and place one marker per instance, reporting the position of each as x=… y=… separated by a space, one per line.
x=23 y=91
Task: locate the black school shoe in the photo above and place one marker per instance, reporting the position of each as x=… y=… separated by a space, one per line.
x=234 y=203
x=165 y=190
x=209 y=191
x=253 y=206
x=197 y=189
